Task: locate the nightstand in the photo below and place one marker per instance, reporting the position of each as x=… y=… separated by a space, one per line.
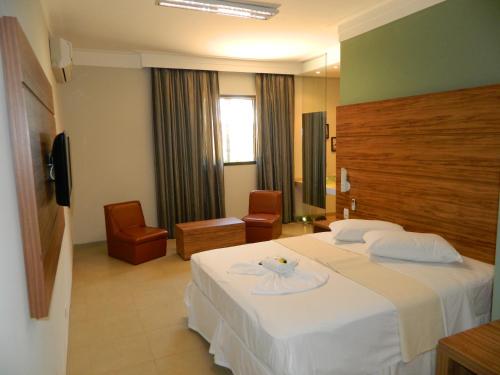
x=476 y=350
x=323 y=225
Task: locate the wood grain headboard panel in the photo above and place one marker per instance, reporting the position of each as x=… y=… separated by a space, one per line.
x=430 y=163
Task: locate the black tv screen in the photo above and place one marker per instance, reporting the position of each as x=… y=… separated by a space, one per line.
x=61 y=162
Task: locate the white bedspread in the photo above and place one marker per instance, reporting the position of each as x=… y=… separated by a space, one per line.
x=340 y=328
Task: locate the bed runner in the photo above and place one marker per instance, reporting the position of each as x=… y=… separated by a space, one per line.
x=418 y=306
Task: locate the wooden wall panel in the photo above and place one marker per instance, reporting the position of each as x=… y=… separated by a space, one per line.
x=430 y=163
x=32 y=130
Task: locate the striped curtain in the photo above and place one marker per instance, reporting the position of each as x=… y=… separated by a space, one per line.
x=274 y=141
x=314 y=159
x=188 y=148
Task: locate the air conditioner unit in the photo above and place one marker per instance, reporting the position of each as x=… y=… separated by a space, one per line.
x=61 y=54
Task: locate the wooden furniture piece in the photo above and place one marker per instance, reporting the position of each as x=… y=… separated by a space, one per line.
x=32 y=129
x=197 y=236
x=477 y=350
x=323 y=225
x=129 y=238
x=263 y=222
x=430 y=163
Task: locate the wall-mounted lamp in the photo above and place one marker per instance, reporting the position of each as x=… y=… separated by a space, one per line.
x=344 y=184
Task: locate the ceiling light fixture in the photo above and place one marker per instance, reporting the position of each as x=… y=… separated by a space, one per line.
x=227 y=8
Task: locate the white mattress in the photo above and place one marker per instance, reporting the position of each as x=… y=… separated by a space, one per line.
x=339 y=328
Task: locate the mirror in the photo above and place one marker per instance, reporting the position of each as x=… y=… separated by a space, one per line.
x=314 y=159
x=317 y=96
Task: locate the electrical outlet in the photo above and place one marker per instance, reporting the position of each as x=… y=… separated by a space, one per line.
x=346 y=213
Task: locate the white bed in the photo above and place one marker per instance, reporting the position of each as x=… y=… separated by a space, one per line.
x=339 y=328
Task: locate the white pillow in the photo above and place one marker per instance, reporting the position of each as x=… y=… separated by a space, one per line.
x=352 y=230
x=418 y=247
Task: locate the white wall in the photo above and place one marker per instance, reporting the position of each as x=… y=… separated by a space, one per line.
x=28 y=346
x=108 y=117
x=239 y=180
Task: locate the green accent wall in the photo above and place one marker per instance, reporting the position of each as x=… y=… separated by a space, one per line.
x=451 y=45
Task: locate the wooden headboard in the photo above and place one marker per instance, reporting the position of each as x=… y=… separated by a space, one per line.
x=430 y=163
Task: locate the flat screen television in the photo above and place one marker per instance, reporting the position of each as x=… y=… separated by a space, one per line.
x=61 y=169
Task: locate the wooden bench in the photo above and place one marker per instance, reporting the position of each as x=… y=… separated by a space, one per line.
x=197 y=236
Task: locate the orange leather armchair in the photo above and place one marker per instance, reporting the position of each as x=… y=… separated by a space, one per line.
x=128 y=237
x=263 y=223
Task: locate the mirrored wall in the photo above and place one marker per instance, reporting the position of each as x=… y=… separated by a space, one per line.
x=315 y=142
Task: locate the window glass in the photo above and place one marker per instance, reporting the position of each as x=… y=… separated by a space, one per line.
x=238 y=129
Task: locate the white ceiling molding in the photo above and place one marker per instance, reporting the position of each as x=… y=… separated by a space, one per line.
x=110 y=59
x=177 y=61
x=137 y=60
x=380 y=15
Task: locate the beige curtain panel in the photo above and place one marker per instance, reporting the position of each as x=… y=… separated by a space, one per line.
x=275 y=115
x=188 y=148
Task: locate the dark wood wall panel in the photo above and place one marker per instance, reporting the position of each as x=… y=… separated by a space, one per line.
x=430 y=163
x=468 y=111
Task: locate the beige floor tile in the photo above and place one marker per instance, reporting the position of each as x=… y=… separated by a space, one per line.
x=125 y=324
x=161 y=295
x=145 y=368
x=78 y=311
x=192 y=362
x=163 y=316
x=174 y=340
x=78 y=361
x=82 y=333
x=117 y=354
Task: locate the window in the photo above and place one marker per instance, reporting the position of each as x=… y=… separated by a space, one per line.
x=238 y=129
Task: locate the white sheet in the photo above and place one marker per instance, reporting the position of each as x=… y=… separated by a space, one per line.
x=340 y=328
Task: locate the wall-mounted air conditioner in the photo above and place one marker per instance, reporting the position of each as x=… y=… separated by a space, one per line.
x=61 y=54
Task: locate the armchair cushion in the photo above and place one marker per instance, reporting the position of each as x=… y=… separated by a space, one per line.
x=261 y=220
x=265 y=202
x=128 y=214
x=139 y=235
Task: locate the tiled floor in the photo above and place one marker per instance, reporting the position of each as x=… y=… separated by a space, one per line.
x=131 y=320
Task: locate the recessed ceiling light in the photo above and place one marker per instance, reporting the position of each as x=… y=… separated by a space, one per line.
x=256 y=11
x=318 y=72
x=335 y=66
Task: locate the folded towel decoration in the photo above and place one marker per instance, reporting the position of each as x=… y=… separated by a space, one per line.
x=280 y=276
x=279 y=265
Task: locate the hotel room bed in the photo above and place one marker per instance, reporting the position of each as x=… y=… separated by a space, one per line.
x=339 y=328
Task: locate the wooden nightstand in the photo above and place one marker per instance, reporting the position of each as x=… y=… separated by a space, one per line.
x=476 y=350
x=323 y=225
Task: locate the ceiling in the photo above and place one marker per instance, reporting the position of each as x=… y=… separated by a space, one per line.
x=302 y=29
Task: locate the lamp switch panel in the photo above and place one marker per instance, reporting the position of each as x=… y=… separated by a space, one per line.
x=346 y=213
